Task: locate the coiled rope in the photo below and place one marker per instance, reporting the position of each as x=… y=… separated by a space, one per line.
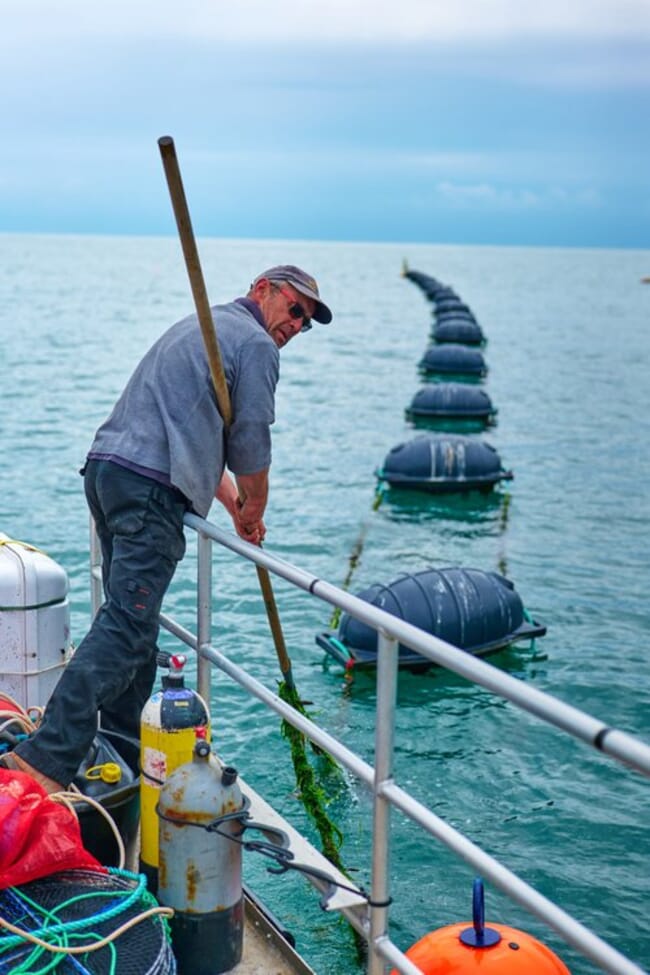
x=54 y=935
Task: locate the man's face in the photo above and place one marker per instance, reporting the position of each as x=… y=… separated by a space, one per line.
x=285 y=311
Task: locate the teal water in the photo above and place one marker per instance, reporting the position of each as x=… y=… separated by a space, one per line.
x=568 y=353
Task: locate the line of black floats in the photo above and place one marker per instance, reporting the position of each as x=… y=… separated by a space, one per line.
x=453 y=400
x=478 y=611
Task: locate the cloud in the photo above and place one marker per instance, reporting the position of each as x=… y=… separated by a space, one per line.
x=329 y=20
x=360 y=118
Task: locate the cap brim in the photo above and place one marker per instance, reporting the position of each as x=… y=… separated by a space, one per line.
x=322 y=313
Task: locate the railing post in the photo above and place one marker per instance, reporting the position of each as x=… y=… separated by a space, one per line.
x=384 y=735
x=96 y=587
x=203 y=613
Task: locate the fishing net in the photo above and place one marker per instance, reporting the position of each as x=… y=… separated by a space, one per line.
x=76 y=908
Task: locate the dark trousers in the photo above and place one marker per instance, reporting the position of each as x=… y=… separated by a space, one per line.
x=140 y=527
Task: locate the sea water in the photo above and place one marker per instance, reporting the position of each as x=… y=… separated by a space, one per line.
x=568 y=351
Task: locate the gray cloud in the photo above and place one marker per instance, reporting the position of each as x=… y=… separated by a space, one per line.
x=329 y=20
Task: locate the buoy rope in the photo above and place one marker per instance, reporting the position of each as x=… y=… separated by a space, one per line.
x=505 y=508
x=60 y=931
x=355 y=554
x=341 y=647
x=502 y=564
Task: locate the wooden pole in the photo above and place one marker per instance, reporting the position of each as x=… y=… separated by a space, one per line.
x=208 y=330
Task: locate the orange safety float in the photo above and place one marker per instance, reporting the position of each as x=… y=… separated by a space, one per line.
x=461 y=950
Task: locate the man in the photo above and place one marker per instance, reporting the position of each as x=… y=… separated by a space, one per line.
x=162 y=452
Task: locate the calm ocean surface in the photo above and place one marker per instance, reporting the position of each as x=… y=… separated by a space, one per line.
x=569 y=356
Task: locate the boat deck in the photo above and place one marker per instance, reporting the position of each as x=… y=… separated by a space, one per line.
x=266 y=952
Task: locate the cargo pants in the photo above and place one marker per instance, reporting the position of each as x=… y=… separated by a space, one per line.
x=140 y=528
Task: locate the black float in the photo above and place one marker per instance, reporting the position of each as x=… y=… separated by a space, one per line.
x=433 y=289
x=451 y=358
x=458 y=330
x=451 y=401
x=443 y=463
x=477 y=611
x=449 y=306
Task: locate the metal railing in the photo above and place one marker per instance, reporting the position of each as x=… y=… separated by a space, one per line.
x=372 y=923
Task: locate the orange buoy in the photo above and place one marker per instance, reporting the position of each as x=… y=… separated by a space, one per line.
x=461 y=950
x=517 y=953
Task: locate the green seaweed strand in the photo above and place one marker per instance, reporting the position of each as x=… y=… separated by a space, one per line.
x=312 y=795
x=314 y=801
x=289 y=694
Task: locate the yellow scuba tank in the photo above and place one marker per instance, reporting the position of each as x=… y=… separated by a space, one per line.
x=168 y=727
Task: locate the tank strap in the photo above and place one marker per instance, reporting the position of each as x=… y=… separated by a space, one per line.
x=278 y=851
x=16 y=541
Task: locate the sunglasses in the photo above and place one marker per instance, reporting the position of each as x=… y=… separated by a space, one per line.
x=296 y=310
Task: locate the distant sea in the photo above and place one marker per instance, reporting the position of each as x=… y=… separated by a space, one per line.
x=569 y=359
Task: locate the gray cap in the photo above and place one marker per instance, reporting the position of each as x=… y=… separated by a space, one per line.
x=302 y=282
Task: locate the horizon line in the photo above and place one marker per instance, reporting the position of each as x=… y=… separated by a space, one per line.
x=326 y=240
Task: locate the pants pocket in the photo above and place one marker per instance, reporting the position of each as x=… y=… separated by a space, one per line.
x=164 y=523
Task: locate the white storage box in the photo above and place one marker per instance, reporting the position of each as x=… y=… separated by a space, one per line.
x=34 y=622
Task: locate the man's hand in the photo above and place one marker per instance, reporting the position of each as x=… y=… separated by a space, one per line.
x=245 y=503
x=247 y=526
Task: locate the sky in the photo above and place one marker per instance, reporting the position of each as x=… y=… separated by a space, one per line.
x=441 y=121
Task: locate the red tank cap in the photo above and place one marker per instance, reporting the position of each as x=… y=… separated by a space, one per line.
x=176 y=662
x=200 y=732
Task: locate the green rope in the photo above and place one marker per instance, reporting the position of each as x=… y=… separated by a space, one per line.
x=502 y=563
x=26 y=966
x=353 y=562
x=140 y=890
x=61 y=933
x=505 y=508
x=379 y=496
x=355 y=555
